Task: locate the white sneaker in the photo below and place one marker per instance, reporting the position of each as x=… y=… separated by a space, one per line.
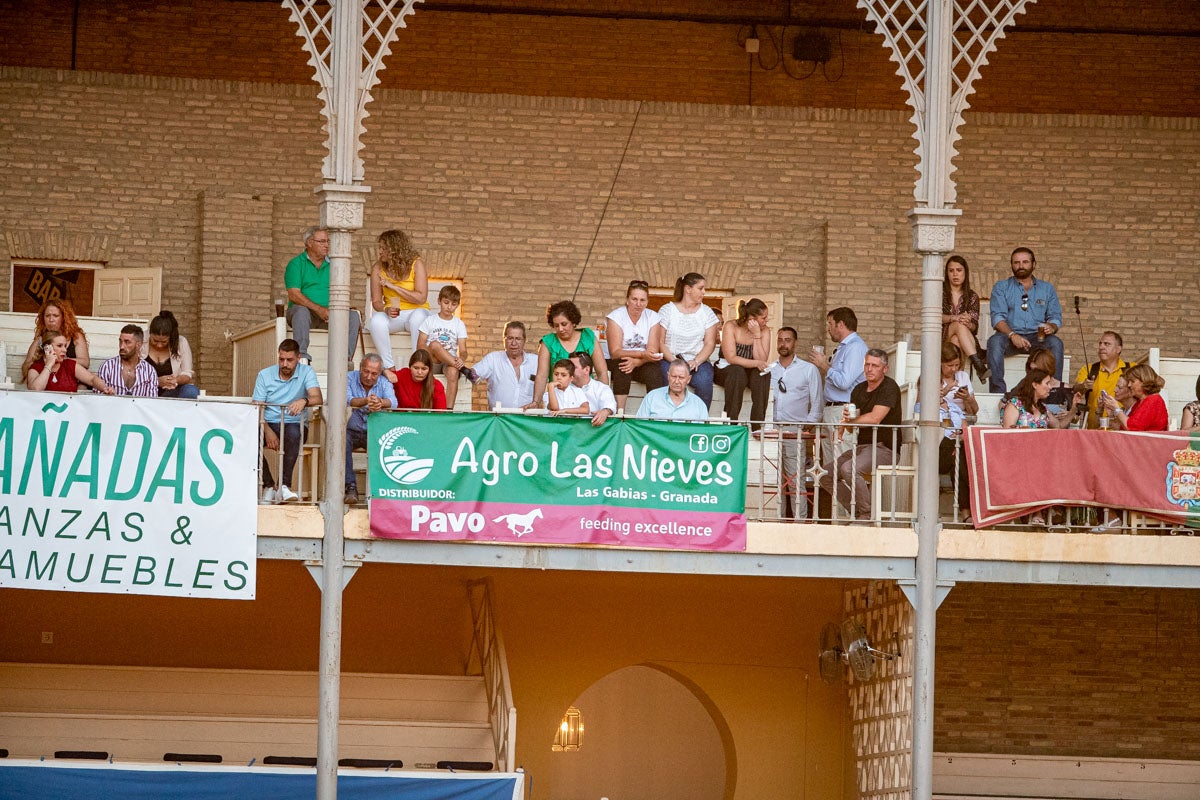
x=286 y=495
x=268 y=496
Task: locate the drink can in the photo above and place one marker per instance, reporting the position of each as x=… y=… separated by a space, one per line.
x=851 y=410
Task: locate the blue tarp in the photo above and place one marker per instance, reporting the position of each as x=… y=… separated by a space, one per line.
x=33 y=780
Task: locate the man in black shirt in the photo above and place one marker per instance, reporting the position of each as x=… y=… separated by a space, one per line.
x=877 y=400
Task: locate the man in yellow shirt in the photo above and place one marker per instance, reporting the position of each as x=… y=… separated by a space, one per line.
x=1102 y=375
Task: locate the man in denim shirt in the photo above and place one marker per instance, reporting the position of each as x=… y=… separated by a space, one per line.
x=1026 y=315
x=365 y=393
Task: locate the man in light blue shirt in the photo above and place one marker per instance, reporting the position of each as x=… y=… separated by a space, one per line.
x=798 y=399
x=674 y=401
x=841 y=374
x=365 y=394
x=1026 y=315
x=287 y=391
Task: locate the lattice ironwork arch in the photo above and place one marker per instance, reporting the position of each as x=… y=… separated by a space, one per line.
x=380 y=21
x=976 y=28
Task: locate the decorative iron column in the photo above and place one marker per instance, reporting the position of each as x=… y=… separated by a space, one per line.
x=939 y=47
x=346 y=41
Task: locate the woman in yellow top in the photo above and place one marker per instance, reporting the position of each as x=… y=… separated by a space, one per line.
x=399 y=293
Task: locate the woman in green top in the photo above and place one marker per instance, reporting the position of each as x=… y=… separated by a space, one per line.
x=566 y=337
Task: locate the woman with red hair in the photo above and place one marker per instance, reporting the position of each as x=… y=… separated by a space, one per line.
x=58 y=315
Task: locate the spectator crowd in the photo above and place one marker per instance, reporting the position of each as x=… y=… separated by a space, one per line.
x=678 y=352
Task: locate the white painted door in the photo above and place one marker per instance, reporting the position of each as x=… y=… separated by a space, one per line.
x=128 y=292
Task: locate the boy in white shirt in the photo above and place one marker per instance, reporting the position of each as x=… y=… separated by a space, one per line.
x=565 y=397
x=444 y=336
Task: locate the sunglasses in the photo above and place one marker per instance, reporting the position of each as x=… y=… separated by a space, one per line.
x=780 y=385
x=638 y=285
x=1025 y=302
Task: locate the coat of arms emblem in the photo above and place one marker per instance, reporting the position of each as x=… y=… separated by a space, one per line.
x=1183 y=478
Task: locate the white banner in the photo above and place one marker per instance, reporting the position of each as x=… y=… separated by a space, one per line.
x=128 y=495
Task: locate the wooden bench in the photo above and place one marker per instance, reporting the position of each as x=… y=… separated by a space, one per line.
x=141 y=713
x=1007 y=777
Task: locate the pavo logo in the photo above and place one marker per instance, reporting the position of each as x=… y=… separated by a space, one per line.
x=397 y=463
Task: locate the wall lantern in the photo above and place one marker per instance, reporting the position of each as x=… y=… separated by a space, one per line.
x=569 y=736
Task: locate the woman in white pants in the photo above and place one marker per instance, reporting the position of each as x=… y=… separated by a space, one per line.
x=399 y=293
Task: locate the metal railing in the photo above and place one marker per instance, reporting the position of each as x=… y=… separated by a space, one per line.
x=308 y=462
x=829 y=474
x=487 y=652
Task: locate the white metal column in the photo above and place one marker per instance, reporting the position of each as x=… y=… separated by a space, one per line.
x=939 y=47
x=347 y=41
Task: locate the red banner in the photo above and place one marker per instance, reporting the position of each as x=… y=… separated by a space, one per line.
x=1020 y=471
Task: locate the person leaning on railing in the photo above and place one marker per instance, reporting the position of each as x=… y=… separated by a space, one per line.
x=565 y=338
x=1060 y=404
x=1149 y=412
x=54 y=372
x=1026 y=406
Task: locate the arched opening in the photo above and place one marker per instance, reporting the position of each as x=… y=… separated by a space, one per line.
x=650 y=736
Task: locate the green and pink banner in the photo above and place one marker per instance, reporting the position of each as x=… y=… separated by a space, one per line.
x=557 y=480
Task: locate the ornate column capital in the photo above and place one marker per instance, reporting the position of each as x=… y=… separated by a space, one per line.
x=939 y=47
x=933 y=229
x=341 y=207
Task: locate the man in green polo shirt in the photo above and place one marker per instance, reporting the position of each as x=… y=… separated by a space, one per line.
x=307 y=281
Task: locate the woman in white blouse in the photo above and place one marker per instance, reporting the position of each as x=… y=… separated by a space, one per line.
x=687 y=329
x=628 y=333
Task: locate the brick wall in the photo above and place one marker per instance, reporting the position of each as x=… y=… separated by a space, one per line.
x=809 y=202
x=1055 y=61
x=1068 y=671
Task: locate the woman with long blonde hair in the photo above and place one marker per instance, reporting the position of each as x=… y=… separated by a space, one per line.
x=399 y=292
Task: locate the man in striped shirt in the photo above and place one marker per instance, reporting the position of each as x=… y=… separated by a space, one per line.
x=128 y=374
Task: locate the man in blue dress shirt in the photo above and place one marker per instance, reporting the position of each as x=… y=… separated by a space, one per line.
x=1026 y=315
x=841 y=374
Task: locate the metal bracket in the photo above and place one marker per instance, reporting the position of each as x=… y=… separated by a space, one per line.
x=317 y=569
x=909 y=587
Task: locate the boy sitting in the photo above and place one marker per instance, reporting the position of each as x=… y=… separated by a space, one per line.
x=444 y=336
x=565 y=397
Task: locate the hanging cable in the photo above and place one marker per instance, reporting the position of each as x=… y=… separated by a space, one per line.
x=612 y=188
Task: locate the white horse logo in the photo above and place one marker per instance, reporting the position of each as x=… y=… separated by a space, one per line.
x=520 y=524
